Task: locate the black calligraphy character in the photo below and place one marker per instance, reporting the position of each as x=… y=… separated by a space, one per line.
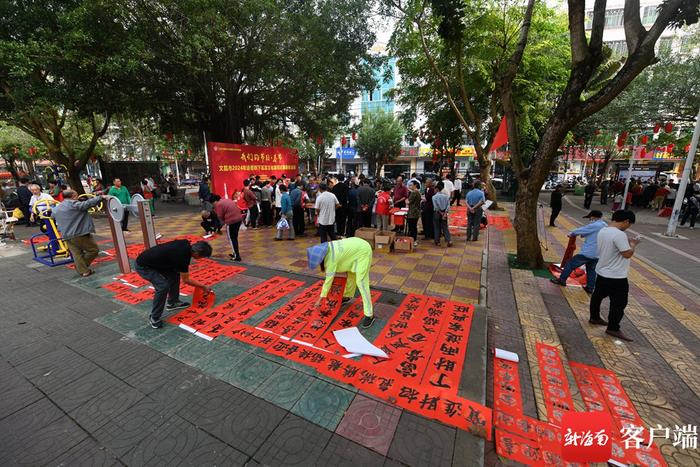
x=429 y=402
x=443 y=363
x=453 y=338
x=350 y=371
x=385 y=383
x=407 y=369
x=409 y=394
x=417 y=337
x=335 y=365
x=367 y=377
x=414 y=355
x=440 y=383
x=475 y=418
x=430 y=321
x=452 y=408
x=399 y=344
x=456 y=327
x=448 y=350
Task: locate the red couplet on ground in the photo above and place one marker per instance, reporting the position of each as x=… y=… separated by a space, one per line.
x=555 y=385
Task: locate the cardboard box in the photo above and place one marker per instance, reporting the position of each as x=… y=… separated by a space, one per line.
x=403 y=244
x=366 y=233
x=384 y=240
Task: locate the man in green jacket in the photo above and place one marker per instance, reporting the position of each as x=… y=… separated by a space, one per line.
x=352 y=256
x=122 y=194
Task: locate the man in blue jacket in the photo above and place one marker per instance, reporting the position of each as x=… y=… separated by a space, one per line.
x=589 y=251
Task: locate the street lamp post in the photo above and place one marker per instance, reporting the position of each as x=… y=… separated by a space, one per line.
x=685 y=179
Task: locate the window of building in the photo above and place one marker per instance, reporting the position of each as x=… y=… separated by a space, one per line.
x=614 y=18
x=589 y=20
x=619 y=48
x=649 y=14
x=665 y=44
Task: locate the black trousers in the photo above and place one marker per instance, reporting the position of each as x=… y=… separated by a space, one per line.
x=326 y=231
x=298 y=220
x=351 y=224
x=232 y=230
x=167 y=285
x=254 y=212
x=555 y=213
x=340 y=218
x=266 y=207
x=428 y=229
x=125 y=220
x=603 y=197
x=365 y=218
x=587 y=201
x=413 y=228
x=617 y=290
x=455 y=197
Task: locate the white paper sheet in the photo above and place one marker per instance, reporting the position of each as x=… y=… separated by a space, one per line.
x=487 y=204
x=354 y=342
x=506 y=355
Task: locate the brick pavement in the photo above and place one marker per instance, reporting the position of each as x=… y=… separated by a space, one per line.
x=89 y=382
x=60 y=368
x=659 y=370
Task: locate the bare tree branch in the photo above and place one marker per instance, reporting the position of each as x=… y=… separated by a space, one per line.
x=596 y=43
x=634 y=31
x=577 y=30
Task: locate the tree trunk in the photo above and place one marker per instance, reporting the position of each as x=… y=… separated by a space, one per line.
x=74 y=179
x=528 y=252
x=485 y=174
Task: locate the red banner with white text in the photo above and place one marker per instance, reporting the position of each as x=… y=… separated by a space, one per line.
x=230 y=164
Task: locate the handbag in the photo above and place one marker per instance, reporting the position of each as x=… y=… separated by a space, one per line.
x=283 y=224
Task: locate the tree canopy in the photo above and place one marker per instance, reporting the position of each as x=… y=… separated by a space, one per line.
x=452 y=54
x=379 y=139
x=242 y=73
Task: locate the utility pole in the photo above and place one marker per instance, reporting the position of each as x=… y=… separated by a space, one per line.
x=685 y=179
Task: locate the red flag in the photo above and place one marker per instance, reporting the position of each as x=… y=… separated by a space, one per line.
x=501 y=137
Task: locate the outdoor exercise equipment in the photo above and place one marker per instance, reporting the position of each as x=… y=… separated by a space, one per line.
x=139 y=207
x=95 y=209
x=48 y=247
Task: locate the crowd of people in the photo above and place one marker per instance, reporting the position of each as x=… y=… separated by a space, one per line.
x=651 y=193
x=337 y=206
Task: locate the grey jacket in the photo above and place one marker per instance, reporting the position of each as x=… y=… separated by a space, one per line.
x=72 y=218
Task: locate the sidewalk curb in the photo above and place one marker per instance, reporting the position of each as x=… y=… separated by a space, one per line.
x=483 y=279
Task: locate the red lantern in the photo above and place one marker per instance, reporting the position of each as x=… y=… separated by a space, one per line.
x=657 y=127
x=169 y=136
x=354 y=136
x=343 y=141
x=670 y=147
x=580 y=141
x=643 y=153
x=189 y=152
x=687 y=148
x=668 y=128
x=319 y=140
x=645 y=139
x=624 y=135
x=597 y=132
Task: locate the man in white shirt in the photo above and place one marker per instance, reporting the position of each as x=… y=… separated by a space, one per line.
x=614 y=253
x=457 y=192
x=449 y=186
x=326 y=204
x=38 y=195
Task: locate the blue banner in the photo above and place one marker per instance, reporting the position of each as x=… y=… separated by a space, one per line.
x=345 y=153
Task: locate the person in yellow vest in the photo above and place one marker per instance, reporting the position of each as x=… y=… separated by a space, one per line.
x=352 y=256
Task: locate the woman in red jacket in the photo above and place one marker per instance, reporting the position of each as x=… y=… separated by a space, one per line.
x=230 y=215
